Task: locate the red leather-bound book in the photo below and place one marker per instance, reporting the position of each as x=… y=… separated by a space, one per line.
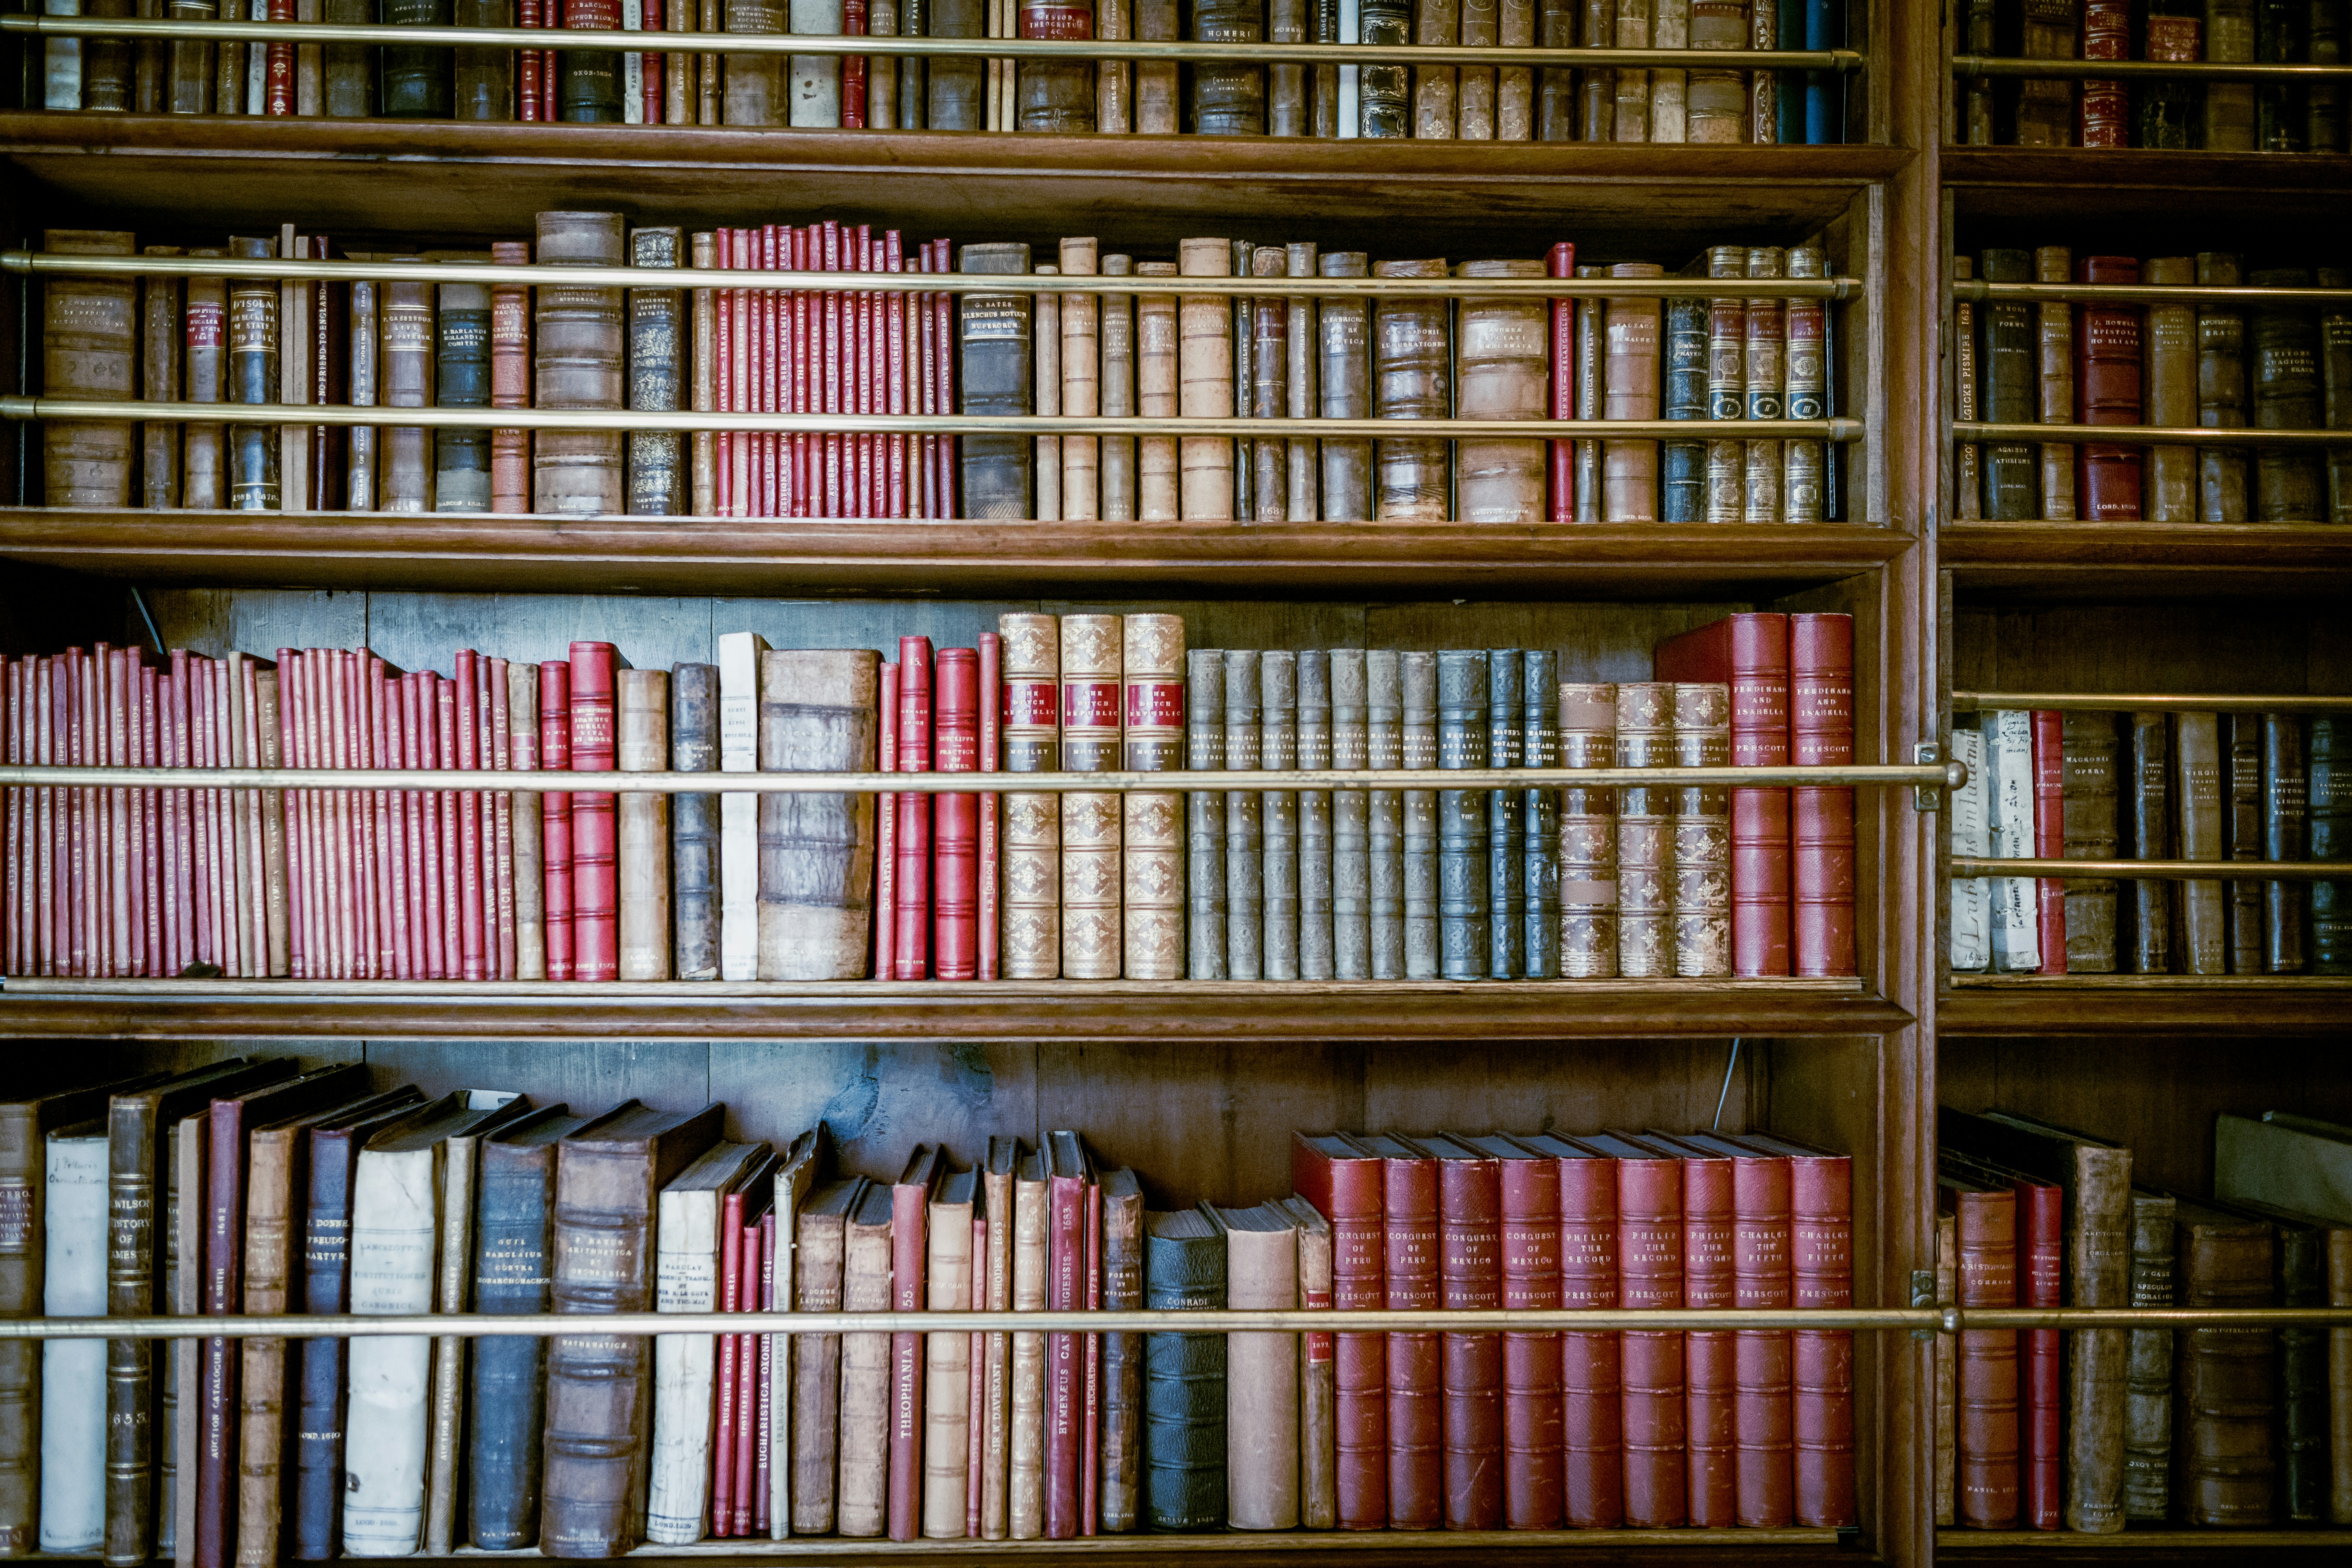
x=328 y=880
x=2050 y=832
x=151 y=755
x=595 y=821
x=497 y=823
x=922 y=391
x=1820 y=733
x=366 y=869
x=532 y=66
x=776 y=254
x=1710 y=1282
x=1986 y=1487
x=806 y=354
x=1820 y=1191
x=510 y=376
x=894 y=340
x=1561 y=262
x=992 y=760
x=911 y=1202
x=749 y=1445
x=825 y=452
x=2039 y=1243
x=977 y=1410
x=383 y=717
x=730 y=1299
x=453 y=842
x=1528 y=1185
x=1749 y=653
x=555 y=815
x=1762 y=1366
x=1345 y=1186
x=725 y=498
x=913 y=939
x=1090 y=1428
x=1650 y=1274
x=371 y=817
x=955 y=860
x=1470 y=1273
x=2107 y=391
x=886 y=837
x=466 y=684
x=423 y=881
x=860 y=398
x=1416 y=1422
x=1592 y=1386
x=943 y=334
x=771 y=1347
x=853 y=68
x=2105 y=102
x=1067 y=1180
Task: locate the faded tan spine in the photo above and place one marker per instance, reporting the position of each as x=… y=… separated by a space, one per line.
x=1206 y=372
x=1157 y=397
x=644 y=702
x=1081 y=385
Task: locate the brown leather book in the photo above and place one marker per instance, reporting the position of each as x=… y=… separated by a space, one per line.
x=1262 y=1431
x=162 y=341
x=1152 y=835
x=599 y=1386
x=2203 y=946
x=1629 y=477
x=1986 y=1398
x=1204 y=386
x=1412 y=379
x=1702 y=834
x=203 y=472
x=643 y=712
x=89 y=335
x=1267 y=395
x=821 y=1223
x=1588 y=834
x=2225 y=1458
x=2339 y=1385
x=1646 y=833
x=1156 y=96
x=1091 y=655
x=1318 y=1389
x=2055 y=399
x=2170 y=483
x=2286 y=817
x=995 y=1458
x=862 y=1507
x=2090 y=835
x=404 y=371
x=2242 y=836
x=2221 y=402
x=1947 y=1362
x=2148 y=1361
x=1344 y=388
x=817 y=711
x=579 y=363
x=1120 y=1506
x=2151 y=825
x=1502 y=373
x=1115 y=327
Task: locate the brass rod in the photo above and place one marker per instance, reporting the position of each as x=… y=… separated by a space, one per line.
x=617 y=41
x=720 y=993
x=912 y=424
x=1496 y=1545
x=2149 y=435
x=1864 y=1320
x=2158 y=70
x=1977 y=290
x=2100 y=702
x=2156 y=870
x=1916 y=776
x=395 y=271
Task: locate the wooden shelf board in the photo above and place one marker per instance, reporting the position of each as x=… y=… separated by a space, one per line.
x=1988 y=178
x=1353 y=1546
x=2059 y=560
x=2111 y=1004
x=2137 y=1540
x=1256 y=1011
x=447 y=180
x=482 y=553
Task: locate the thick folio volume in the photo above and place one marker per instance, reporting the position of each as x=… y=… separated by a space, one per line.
x=816 y=851
x=88 y=339
x=578 y=364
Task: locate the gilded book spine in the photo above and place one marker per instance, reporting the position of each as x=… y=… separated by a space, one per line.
x=461 y=379
x=1702 y=835
x=1765 y=387
x=89 y=334
x=658 y=475
x=1033 y=823
x=1153 y=841
x=1413 y=366
x=1344 y=389
x=1805 y=484
x=1588 y=835
x=1117 y=390
x=1629 y=475
x=162 y=346
x=1645 y=829
x=405 y=367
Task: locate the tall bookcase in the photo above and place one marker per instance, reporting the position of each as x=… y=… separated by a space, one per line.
x=1196 y=1085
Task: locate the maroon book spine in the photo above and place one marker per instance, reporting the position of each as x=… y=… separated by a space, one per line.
x=807 y=353
x=1408 y=1202
x=1346 y=1191
x=1822 y=1269
x=725 y=498
x=1065 y=1291
x=955 y=940
x=910 y=1247
x=2107 y=103
x=1532 y=1435
x=2107 y=391
x=1749 y=653
x=2041 y=1247
x=555 y=815
x=1561 y=455
x=725 y=1433
x=1650 y=1260
x=595 y=818
x=1591 y=1381
x=424 y=885
x=298 y=910
x=885 y=837
x=1090 y=1430
x=2050 y=832
x=895 y=490
x=384 y=709
x=1820 y=733
x=832 y=372
x=1470 y=1268
x=1710 y=1401
x=914 y=912
x=944 y=396
x=453 y=850
x=751 y=1377
x=217 y=1454
x=1986 y=1408
x=991 y=758
x=1762 y=1420
x=468 y=692
x=770 y=1346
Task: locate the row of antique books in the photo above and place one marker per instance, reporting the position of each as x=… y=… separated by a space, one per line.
x=419 y=344
x=255 y=1187
x=2044 y=785
x=2220 y=364
x=2227 y=1427
x=2219 y=117
x=639 y=87
x=1283 y=885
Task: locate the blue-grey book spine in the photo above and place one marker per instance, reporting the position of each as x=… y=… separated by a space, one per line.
x=1539 y=819
x=694 y=822
x=2302 y=1376
x=504 y=1407
x=326 y=1287
x=1463 y=742
x=657 y=477
x=420 y=83
x=1184 y=1385
x=2331 y=839
x=995 y=364
x=1824 y=91
x=1205 y=815
x=1384 y=96
x=461 y=379
x=1244 y=819
x=1507 y=871
x=1682 y=468
x=1788 y=107
x=1418 y=834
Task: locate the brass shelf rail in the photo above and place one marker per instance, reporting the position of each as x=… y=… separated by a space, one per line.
x=2106 y=702
x=1975 y=290
x=2156 y=870
x=619 y=41
x=48 y=263
x=2145 y=70
x=622 y=419
x=1913 y=775
x=1841 y=1320
x=2146 y=435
